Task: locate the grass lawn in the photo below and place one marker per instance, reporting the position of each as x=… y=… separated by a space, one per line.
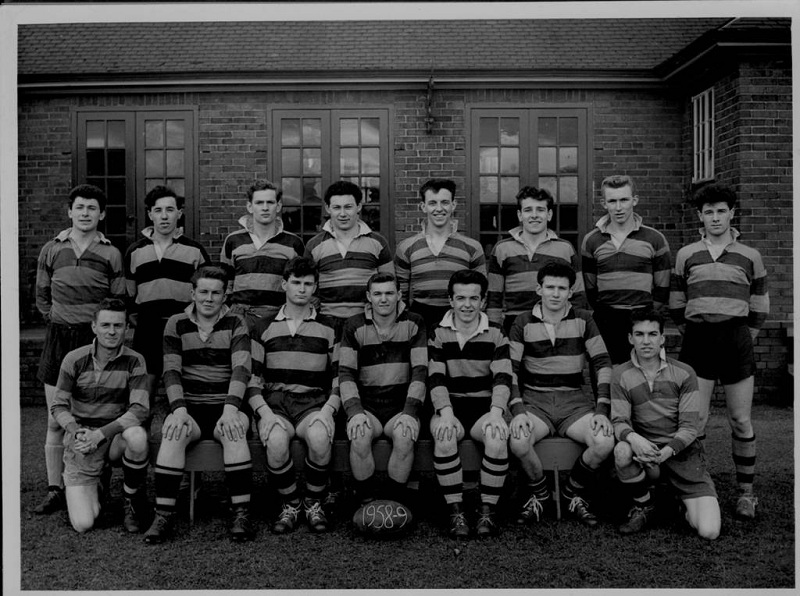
x=553 y=554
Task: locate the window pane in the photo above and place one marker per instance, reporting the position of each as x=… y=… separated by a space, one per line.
x=95 y=135
x=508 y=217
x=115 y=220
x=312 y=162
x=488 y=133
x=572 y=238
x=547 y=160
x=509 y=187
x=372 y=190
x=371 y=161
x=290 y=162
x=116 y=192
x=291 y=218
x=568 y=160
x=568 y=131
x=488 y=189
x=487 y=242
x=488 y=160
x=348 y=131
x=290 y=132
x=175 y=133
x=569 y=217
x=312 y=218
x=509 y=160
x=95 y=162
x=151 y=183
x=568 y=189
x=372 y=217
x=116 y=162
x=509 y=131
x=348 y=162
x=154 y=164
x=550 y=184
x=370 y=131
x=547 y=131
x=292 y=191
x=312 y=132
x=312 y=190
x=116 y=133
x=98 y=182
x=175 y=166
x=489 y=219
x=178 y=185
x=154 y=133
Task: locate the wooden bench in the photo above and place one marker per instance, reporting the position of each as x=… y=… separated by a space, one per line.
x=557 y=454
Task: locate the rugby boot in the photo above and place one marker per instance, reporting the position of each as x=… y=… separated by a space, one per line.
x=637 y=519
x=531 y=510
x=241 y=529
x=746 y=506
x=579 y=508
x=135 y=511
x=487 y=522
x=315 y=515
x=160 y=529
x=459 y=528
x=53 y=501
x=287 y=519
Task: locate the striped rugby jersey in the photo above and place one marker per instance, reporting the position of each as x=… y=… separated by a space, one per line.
x=162 y=288
x=110 y=398
x=305 y=362
x=214 y=371
x=480 y=368
x=667 y=414
x=391 y=369
x=423 y=276
x=342 y=287
x=513 y=270
x=635 y=275
x=259 y=270
x=68 y=287
x=709 y=291
x=539 y=363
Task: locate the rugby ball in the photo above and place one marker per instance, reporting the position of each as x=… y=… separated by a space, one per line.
x=382 y=518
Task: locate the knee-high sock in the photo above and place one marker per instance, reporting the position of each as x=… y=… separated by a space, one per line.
x=134 y=475
x=239 y=478
x=493 y=475
x=450 y=476
x=744 y=460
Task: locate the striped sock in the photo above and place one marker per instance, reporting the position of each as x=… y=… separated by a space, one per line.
x=285 y=481
x=239 y=478
x=493 y=475
x=538 y=488
x=450 y=476
x=581 y=478
x=134 y=475
x=316 y=479
x=744 y=460
x=168 y=483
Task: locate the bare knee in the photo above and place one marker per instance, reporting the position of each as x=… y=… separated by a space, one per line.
x=318 y=443
x=521 y=446
x=601 y=445
x=708 y=531
x=623 y=454
x=402 y=446
x=495 y=447
x=361 y=447
x=445 y=445
x=136 y=441
x=277 y=445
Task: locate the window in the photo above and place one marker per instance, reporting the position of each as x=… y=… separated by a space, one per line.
x=314 y=148
x=703 y=136
x=128 y=153
x=546 y=148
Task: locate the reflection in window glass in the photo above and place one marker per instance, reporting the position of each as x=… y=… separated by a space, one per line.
x=489 y=219
x=488 y=160
x=370 y=131
x=154 y=163
x=175 y=162
x=154 y=133
x=116 y=134
x=312 y=162
x=312 y=218
x=292 y=191
x=568 y=131
x=548 y=131
x=290 y=132
x=372 y=186
x=568 y=189
x=372 y=217
x=509 y=131
x=312 y=132
x=568 y=160
x=95 y=135
x=547 y=160
x=312 y=190
x=488 y=131
x=509 y=160
x=290 y=162
x=175 y=133
x=488 y=189
x=348 y=131
x=348 y=162
x=371 y=161
x=509 y=187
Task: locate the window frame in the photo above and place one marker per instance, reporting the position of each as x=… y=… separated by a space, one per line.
x=703 y=130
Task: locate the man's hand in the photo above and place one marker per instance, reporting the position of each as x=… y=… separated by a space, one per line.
x=665 y=453
x=230 y=424
x=600 y=423
x=175 y=423
x=267 y=421
x=324 y=417
x=495 y=424
x=408 y=424
x=446 y=427
x=644 y=451
x=359 y=424
x=88 y=440
x=521 y=426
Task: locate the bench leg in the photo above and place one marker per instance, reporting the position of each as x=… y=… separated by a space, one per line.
x=557 y=491
x=191 y=496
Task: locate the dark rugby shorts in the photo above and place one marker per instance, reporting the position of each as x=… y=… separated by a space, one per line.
x=59 y=340
x=206 y=416
x=83 y=469
x=721 y=351
x=558 y=409
x=687 y=472
x=294 y=407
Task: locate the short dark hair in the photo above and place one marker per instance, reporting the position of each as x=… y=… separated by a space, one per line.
x=88 y=191
x=382 y=277
x=468 y=276
x=617 y=181
x=159 y=192
x=300 y=267
x=263 y=184
x=714 y=193
x=437 y=184
x=556 y=269
x=211 y=272
x=647 y=314
x=112 y=304
x=343 y=188
x=537 y=194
